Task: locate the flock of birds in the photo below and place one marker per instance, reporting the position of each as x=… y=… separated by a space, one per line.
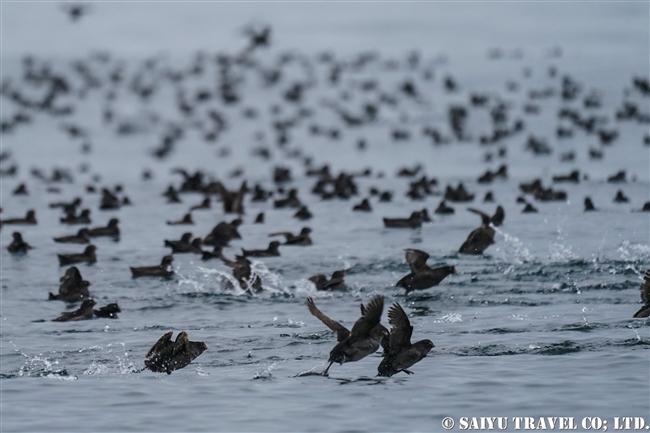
x=44 y=90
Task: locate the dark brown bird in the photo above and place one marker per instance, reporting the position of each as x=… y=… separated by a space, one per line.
x=443 y=209
x=193 y=247
x=422 y=276
x=401 y=353
x=271 y=251
x=164 y=270
x=111 y=230
x=481 y=238
x=645 y=297
x=186 y=220
x=166 y=356
x=303 y=214
x=214 y=254
x=223 y=233
x=18 y=245
x=84 y=312
x=335 y=283
x=414 y=221
x=80 y=238
x=30 y=219
x=364 y=206
x=241 y=270
x=301 y=239
x=184 y=241
x=73 y=287
x=108 y=312
x=82 y=218
x=589 y=205
x=291 y=200
x=87 y=256
x=364 y=338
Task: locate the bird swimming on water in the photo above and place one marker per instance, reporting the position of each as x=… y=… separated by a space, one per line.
x=85 y=312
x=73 y=287
x=335 y=283
x=87 y=256
x=164 y=270
x=18 y=245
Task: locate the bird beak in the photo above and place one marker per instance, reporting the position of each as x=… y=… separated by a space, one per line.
x=455 y=271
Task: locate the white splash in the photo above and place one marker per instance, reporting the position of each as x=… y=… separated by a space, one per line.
x=449 y=318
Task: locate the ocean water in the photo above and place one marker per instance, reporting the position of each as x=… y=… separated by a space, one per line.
x=539 y=325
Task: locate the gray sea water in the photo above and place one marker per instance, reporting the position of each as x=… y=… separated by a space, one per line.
x=539 y=325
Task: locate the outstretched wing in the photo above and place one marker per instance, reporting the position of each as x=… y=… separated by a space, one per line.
x=498 y=217
x=164 y=342
x=484 y=217
x=401 y=329
x=416 y=259
x=370 y=318
x=341 y=331
x=181 y=344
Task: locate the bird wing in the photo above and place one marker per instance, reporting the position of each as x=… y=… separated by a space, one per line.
x=416 y=259
x=370 y=318
x=181 y=344
x=164 y=342
x=484 y=217
x=645 y=288
x=341 y=331
x=401 y=329
x=498 y=217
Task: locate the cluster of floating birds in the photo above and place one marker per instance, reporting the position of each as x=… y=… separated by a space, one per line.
x=46 y=90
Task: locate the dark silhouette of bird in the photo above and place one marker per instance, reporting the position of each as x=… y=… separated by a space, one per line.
x=30 y=219
x=271 y=251
x=108 y=312
x=186 y=220
x=87 y=256
x=335 y=283
x=82 y=218
x=184 y=241
x=76 y=11
x=364 y=338
x=364 y=206
x=84 y=312
x=414 y=221
x=422 y=276
x=481 y=238
x=111 y=230
x=164 y=270
x=166 y=355
x=589 y=205
x=223 y=233
x=73 y=287
x=241 y=270
x=80 y=238
x=401 y=354
x=18 y=245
